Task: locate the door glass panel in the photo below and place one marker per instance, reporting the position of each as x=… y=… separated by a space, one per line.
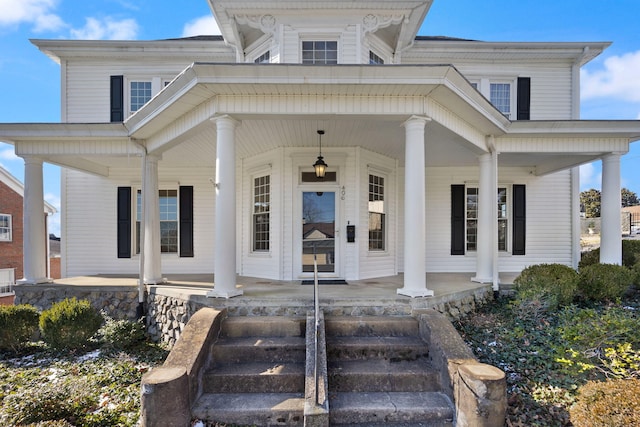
x=318 y=230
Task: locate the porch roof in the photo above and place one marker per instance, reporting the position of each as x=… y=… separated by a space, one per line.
x=282 y=105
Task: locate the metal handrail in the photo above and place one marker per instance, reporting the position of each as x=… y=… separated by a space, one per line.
x=316 y=304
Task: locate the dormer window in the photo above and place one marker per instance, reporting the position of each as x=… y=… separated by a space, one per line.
x=320 y=52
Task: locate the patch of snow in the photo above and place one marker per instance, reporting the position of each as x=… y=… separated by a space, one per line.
x=89 y=356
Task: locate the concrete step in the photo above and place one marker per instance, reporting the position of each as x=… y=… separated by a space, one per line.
x=255 y=377
x=259 y=349
x=390 y=409
x=263 y=326
x=254 y=409
x=379 y=326
x=366 y=348
x=382 y=375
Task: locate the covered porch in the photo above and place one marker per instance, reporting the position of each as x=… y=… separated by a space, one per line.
x=217 y=128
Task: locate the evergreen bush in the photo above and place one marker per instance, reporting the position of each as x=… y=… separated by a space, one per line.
x=69 y=324
x=604 y=282
x=630 y=254
x=589 y=258
x=544 y=287
x=636 y=273
x=67 y=401
x=122 y=334
x=18 y=323
x=608 y=403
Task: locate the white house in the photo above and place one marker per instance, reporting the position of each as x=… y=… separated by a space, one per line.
x=197 y=155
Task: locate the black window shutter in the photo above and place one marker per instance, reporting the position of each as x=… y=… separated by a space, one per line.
x=457 y=220
x=124 y=222
x=519 y=219
x=186 y=221
x=117 y=99
x=524 y=98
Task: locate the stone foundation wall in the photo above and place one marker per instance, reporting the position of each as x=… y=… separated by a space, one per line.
x=168 y=312
x=168 y=315
x=118 y=304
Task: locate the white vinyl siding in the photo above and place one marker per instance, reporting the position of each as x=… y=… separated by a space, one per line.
x=548 y=231
x=91 y=200
x=551 y=83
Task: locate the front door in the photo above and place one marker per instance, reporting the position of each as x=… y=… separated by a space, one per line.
x=318 y=232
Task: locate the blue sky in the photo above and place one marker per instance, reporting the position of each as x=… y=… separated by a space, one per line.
x=30 y=81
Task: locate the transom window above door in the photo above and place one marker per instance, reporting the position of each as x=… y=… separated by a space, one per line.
x=320 y=52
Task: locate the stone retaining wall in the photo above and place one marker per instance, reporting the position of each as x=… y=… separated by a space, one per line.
x=115 y=302
x=168 y=315
x=168 y=311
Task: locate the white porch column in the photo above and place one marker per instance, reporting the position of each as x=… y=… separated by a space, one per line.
x=35 y=238
x=225 y=220
x=486 y=218
x=151 y=222
x=610 y=229
x=415 y=276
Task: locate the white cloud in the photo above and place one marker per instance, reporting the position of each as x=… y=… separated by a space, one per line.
x=35 y=12
x=54 y=220
x=53 y=199
x=618 y=79
x=106 y=29
x=589 y=177
x=205 y=25
x=8 y=154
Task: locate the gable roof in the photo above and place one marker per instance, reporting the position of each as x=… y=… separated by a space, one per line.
x=13 y=183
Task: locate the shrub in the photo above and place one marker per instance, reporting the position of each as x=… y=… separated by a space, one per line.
x=69 y=324
x=604 y=282
x=636 y=272
x=18 y=323
x=122 y=334
x=67 y=401
x=630 y=254
x=608 y=403
x=588 y=338
x=545 y=287
x=589 y=258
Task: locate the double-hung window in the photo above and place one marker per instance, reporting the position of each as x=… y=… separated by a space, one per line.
x=265 y=58
x=320 y=52
x=375 y=59
x=139 y=94
x=500 y=92
x=261 y=213
x=472 y=219
x=377 y=215
x=500 y=97
x=5 y=228
x=168 y=204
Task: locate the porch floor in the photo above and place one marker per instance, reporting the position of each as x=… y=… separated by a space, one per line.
x=260 y=292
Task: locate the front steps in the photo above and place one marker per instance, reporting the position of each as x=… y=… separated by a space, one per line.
x=258 y=373
x=379 y=374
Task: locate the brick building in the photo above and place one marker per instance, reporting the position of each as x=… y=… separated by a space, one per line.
x=11 y=224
